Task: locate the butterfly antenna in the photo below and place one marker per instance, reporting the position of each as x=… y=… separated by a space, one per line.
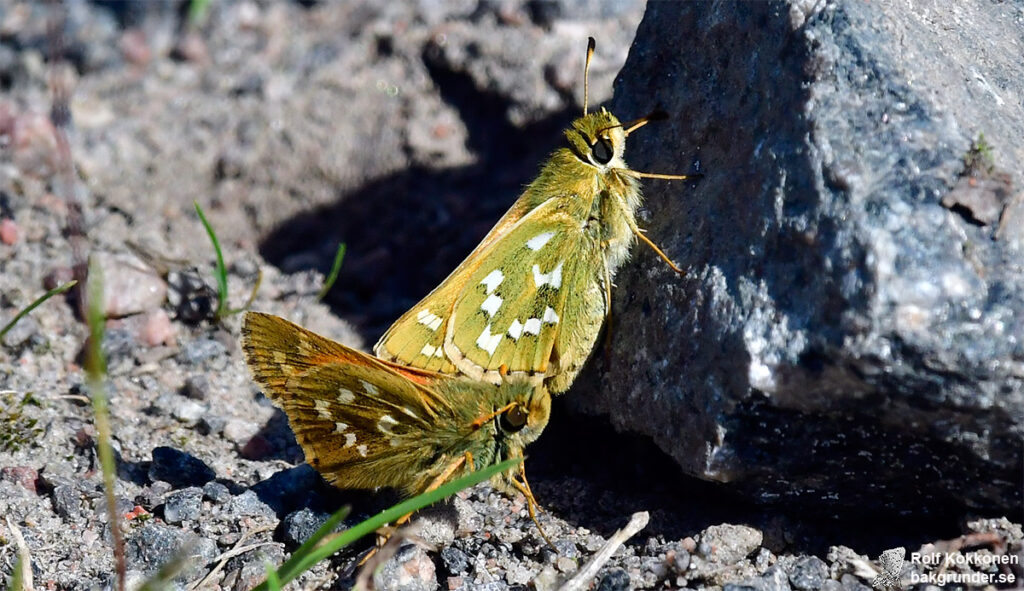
x=657 y=115
x=591 y=45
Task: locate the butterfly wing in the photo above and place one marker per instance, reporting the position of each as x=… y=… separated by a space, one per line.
x=503 y=312
x=416 y=339
x=361 y=422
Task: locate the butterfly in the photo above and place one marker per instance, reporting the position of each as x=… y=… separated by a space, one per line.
x=528 y=303
x=365 y=423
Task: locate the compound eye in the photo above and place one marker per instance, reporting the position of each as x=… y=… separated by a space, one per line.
x=602 y=151
x=513 y=419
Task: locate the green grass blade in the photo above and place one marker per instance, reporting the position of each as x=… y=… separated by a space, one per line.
x=222 y=270
x=18 y=576
x=273 y=583
x=96 y=372
x=38 y=302
x=339 y=541
x=333 y=275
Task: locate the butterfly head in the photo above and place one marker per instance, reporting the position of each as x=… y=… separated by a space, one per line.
x=598 y=139
x=522 y=420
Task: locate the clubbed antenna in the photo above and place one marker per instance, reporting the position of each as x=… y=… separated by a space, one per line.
x=591 y=44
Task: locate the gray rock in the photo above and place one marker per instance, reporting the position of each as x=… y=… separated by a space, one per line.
x=183 y=505
x=216 y=492
x=615 y=580
x=248 y=504
x=153 y=495
x=67 y=500
x=200 y=350
x=773 y=580
x=728 y=544
x=179 y=468
x=211 y=425
x=299 y=525
x=840 y=336
x=455 y=560
x=154 y=545
x=410 y=569
x=808 y=573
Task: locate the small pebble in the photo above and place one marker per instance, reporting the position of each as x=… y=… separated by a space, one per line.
x=410 y=569
x=239 y=431
x=298 y=526
x=24 y=476
x=183 y=505
x=248 y=504
x=455 y=560
x=808 y=573
x=129 y=286
x=156 y=329
x=615 y=580
x=216 y=492
x=153 y=495
x=200 y=350
x=188 y=411
x=211 y=425
x=192 y=299
x=8 y=231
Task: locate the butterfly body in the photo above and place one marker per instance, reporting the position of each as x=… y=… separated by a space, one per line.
x=528 y=303
x=364 y=423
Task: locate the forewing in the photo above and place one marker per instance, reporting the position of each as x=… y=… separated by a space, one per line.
x=416 y=338
x=507 y=318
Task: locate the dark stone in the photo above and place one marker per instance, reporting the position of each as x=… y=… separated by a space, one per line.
x=840 y=339
x=808 y=573
x=455 y=560
x=299 y=525
x=615 y=580
x=216 y=492
x=67 y=500
x=183 y=505
x=192 y=299
x=179 y=468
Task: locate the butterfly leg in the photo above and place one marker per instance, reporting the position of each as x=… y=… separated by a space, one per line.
x=531 y=504
x=640 y=234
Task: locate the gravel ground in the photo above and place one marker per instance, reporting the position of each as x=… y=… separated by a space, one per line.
x=291 y=124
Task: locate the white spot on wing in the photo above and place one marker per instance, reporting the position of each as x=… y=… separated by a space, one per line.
x=350 y=439
x=538 y=241
x=552 y=278
x=532 y=326
x=515 y=330
x=409 y=412
x=487 y=341
x=493 y=280
x=385 y=423
x=369 y=388
x=322 y=407
x=340 y=427
x=345 y=396
x=428 y=319
x=362 y=450
x=491 y=304
x=549 y=316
